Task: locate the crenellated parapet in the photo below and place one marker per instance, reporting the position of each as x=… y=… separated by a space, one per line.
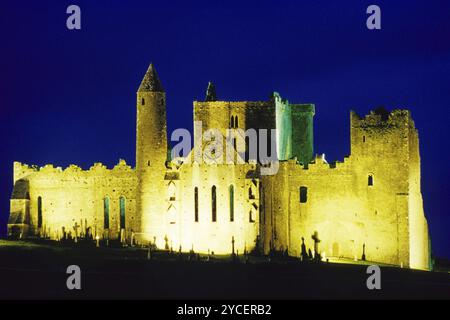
x=319 y=165
x=381 y=134
x=226 y=105
x=380 y=118
x=98 y=167
x=122 y=167
x=25 y=171
x=22 y=170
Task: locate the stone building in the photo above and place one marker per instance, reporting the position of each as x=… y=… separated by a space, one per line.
x=368 y=206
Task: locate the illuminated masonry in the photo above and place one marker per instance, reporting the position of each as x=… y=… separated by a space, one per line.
x=371 y=202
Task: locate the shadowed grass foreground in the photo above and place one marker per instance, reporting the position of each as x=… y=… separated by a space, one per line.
x=38 y=271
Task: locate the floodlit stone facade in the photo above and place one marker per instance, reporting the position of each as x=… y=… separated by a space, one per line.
x=367 y=207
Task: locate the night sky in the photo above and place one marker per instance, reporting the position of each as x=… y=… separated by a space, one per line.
x=69 y=96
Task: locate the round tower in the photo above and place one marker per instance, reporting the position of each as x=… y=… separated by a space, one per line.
x=151 y=153
x=151 y=130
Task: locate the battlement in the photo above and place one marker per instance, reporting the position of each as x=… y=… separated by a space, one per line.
x=381 y=117
x=276 y=98
x=319 y=163
x=232 y=104
x=22 y=170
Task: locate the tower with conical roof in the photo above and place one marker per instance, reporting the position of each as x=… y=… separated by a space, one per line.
x=151 y=151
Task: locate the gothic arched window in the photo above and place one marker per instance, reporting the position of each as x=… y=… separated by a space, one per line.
x=106 y=213
x=39 y=217
x=214 y=203
x=196 y=204
x=231 y=196
x=122 y=202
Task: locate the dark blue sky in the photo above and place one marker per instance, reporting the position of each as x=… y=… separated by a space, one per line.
x=69 y=96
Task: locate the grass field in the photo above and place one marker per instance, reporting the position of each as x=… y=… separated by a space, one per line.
x=38 y=271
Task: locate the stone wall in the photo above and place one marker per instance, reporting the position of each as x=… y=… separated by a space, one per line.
x=198 y=231
x=73 y=200
x=370 y=200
